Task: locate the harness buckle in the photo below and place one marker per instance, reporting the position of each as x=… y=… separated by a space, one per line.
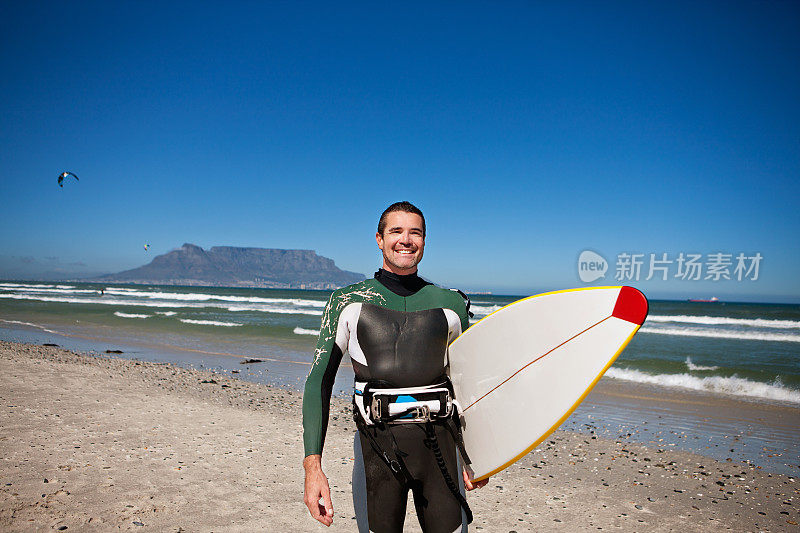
x=422 y=413
x=394 y=465
x=375 y=408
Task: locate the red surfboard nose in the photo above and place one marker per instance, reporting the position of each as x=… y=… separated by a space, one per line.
x=631 y=306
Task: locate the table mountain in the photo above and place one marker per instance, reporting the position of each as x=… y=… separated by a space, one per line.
x=231 y=266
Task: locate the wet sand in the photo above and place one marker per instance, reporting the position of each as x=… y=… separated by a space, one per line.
x=723 y=427
x=97 y=443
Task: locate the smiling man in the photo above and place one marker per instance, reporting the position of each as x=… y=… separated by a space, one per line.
x=396 y=328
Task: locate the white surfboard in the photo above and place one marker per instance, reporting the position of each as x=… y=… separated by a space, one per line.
x=521 y=371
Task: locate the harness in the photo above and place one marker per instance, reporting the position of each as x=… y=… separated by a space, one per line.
x=377 y=406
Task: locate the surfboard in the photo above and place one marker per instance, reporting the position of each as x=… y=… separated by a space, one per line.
x=519 y=372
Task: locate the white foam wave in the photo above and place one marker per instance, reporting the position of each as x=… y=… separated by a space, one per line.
x=29 y=324
x=168 y=304
x=279 y=310
x=15 y=285
x=302 y=331
x=692 y=366
x=59 y=290
x=204 y=297
x=483 y=310
x=130 y=315
x=721 y=334
x=726 y=321
x=34 y=286
x=101 y=301
x=209 y=322
x=733 y=385
x=166 y=313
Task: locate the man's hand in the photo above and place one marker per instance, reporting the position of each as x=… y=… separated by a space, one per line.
x=469 y=485
x=316 y=487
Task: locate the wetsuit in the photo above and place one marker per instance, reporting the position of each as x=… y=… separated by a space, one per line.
x=396 y=330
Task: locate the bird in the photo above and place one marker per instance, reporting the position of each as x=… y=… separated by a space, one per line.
x=64 y=175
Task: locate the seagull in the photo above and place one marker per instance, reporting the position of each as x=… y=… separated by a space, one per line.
x=64 y=175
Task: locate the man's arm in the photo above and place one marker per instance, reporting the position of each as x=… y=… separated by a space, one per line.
x=316 y=407
x=319 y=384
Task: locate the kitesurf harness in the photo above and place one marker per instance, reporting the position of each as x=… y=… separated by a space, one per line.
x=376 y=405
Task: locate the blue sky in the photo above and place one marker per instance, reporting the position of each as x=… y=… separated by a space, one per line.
x=527 y=132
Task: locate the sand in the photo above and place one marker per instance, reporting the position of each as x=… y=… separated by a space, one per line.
x=99 y=443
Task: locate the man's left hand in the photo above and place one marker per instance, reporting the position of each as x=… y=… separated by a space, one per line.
x=470 y=485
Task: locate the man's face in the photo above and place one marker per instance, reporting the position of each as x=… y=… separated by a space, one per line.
x=402 y=242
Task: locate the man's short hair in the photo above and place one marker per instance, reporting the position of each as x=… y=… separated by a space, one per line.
x=406 y=207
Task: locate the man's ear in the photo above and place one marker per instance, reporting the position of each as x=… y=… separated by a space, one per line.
x=379 y=240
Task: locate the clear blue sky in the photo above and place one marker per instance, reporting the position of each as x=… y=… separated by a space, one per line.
x=527 y=132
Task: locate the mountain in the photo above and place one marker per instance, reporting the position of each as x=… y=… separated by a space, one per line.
x=230 y=266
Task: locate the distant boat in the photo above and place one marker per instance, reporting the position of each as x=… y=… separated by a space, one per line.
x=713 y=300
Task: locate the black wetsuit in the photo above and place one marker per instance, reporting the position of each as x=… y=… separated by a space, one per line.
x=396 y=330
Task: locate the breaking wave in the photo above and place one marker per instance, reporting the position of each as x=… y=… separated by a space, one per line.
x=692 y=366
x=733 y=385
x=167 y=304
x=303 y=331
x=209 y=322
x=21 y=323
x=726 y=321
x=130 y=315
x=481 y=311
x=724 y=334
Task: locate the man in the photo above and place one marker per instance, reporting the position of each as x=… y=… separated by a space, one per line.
x=396 y=328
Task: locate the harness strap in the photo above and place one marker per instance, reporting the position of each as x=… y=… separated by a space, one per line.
x=466 y=299
x=397 y=466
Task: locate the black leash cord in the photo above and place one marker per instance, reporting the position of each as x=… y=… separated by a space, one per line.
x=437 y=453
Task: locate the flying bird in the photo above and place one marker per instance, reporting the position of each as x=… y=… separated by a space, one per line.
x=64 y=175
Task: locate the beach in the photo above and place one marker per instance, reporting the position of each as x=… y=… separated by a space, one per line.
x=94 y=442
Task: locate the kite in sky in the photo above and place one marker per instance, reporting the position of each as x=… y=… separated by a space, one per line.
x=146 y=247
x=64 y=175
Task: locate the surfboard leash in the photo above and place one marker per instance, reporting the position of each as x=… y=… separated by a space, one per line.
x=433 y=443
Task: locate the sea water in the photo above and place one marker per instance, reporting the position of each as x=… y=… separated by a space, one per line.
x=742 y=350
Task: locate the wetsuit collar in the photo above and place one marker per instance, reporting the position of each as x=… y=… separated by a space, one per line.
x=401 y=285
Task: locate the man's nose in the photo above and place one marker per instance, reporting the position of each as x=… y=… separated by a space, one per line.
x=405 y=238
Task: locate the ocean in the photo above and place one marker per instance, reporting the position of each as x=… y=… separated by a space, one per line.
x=743 y=350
